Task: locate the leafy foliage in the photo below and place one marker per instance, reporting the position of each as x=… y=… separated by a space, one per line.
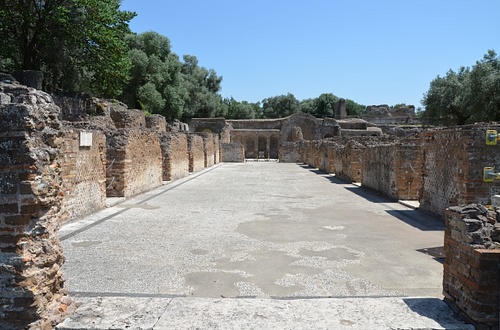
x=77 y=44
x=466 y=96
x=280 y=106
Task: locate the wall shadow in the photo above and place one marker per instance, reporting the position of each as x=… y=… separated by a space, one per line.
x=437 y=310
x=418 y=219
x=414 y=218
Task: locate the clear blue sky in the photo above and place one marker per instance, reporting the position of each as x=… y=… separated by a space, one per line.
x=373 y=52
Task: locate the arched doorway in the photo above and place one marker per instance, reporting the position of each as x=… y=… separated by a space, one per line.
x=262 y=148
x=250 y=148
x=274 y=147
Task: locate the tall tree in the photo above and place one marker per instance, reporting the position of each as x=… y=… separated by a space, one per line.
x=202 y=87
x=325 y=105
x=155 y=84
x=466 y=96
x=280 y=106
x=77 y=44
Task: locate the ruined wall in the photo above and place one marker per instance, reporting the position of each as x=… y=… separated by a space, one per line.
x=454 y=159
x=157 y=123
x=291 y=152
x=208 y=149
x=196 y=153
x=217 y=151
x=83 y=174
x=471 y=279
x=232 y=152
x=31 y=283
x=175 y=152
x=394 y=168
x=134 y=160
x=348 y=161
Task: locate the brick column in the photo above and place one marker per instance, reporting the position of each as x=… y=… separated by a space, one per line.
x=472 y=267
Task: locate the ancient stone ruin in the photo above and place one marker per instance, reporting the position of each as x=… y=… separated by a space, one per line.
x=64 y=156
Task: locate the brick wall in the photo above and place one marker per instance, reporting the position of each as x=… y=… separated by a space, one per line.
x=347 y=161
x=454 y=159
x=31 y=283
x=208 y=149
x=232 y=152
x=291 y=152
x=134 y=159
x=84 y=174
x=175 y=152
x=394 y=169
x=196 y=153
x=471 y=279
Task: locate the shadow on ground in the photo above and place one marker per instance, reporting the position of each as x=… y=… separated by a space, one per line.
x=411 y=217
x=435 y=309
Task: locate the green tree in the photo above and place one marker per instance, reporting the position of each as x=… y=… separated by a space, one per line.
x=448 y=100
x=280 y=106
x=156 y=83
x=353 y=108
x=307 y=106
x=77 y=44
x=466 y=96
x=202 y=88
x=325 y=105
x=242 y=110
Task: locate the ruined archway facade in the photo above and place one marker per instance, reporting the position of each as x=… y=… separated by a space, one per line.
x=263 y=138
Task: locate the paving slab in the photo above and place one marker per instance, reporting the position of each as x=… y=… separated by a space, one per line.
x=258 y=233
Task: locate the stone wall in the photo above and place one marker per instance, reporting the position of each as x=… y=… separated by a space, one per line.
x=291 y=152
x=134 y=160
x=347 y=161
x=471 y=280
x=83 y=174
x=32 y=293
x=196 y=153
x=394 y=169
x=232 y=152
x=175 y=152
x=208 y=149
x=454 y=159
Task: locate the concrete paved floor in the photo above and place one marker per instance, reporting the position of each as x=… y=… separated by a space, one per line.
x=256 y=231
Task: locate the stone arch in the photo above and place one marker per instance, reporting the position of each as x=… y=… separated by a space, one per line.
x=262 y=147
x=274 y=147
x=250 y=147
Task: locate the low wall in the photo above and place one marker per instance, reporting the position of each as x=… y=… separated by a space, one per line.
x=291 y=152
x=347 y=161
x=135 y=162
x=175 y=152
x=84 y=174
x=232 y=152
x=196 y=153
x=471 y=279
x=394 y=169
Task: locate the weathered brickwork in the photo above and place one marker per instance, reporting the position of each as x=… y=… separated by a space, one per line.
x=394 y=169
x=156 y=123
x=348 y=161
x=134 y=161
x=453 y=160
x=84 y=174
x=32 y=292
x=208 y=149
x=232 y=152
x=471 y=280
x=196 y=153
x=175 y=152
x=292 y=152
